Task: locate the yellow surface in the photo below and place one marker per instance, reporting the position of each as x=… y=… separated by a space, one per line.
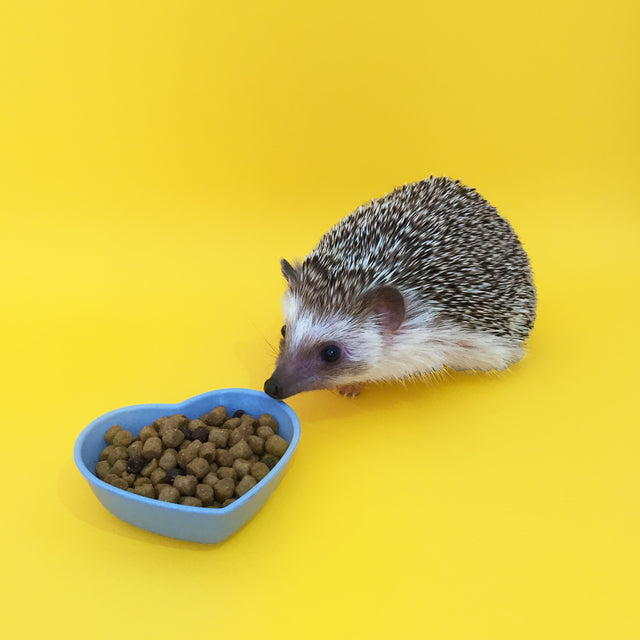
x=157 y=159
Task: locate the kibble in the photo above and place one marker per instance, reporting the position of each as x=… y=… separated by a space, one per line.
x=269 y=460
x=158 y=475
x=198 y=467
x=123 y=438
x=152 y=448
x=241 y=467
x=200 y=433
x=145 y=490
x=259 y=470
x=116 y=481
x=103 y=468
x=172 y=438
x=248 y=482
x=219 y=437
x=205 y=493
x=276 y=446
x=111 y=433
x=269 y=421
x=208 y=452
x=136 y=464
x=186 y=485
x=224 y=457
x=256 y=443
x=135 y=449
x=191 y=501
x=146 y=433
x=242 y=450
x=264 y=432
x=117 y=453
x=227 y=472
x=216 y=416
x=206 y=462
x=168 y=459
x=152 y=466
x=119 y=467
x=223 y=489
x=172 y=474
x=168 y=494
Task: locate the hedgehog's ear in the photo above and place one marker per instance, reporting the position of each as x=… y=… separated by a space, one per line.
x=388 y=303
x=289 y=273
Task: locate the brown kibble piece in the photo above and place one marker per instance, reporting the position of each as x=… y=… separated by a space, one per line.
x=264 y=432
x=241 y=467
x=158 y=475
x=269 y=460
x=256 y=443
x=145 y=490
x=224 y=489
x=103 y=468
x=248 y=482
x=168 y=494
x=129 y=477
x=227 y=502
x=205 y=493
x=227 y=472
x=208 y=451
x=185 y=456
x=235 y=436
x=152 y=448
x=219 y=437
x=123 y=438
x=186 y=485
x=142 y=481
x=135 y=449
x=276 y=446
x=104 y=454
x=267 y=420
x=242 y=450
x=224 y=457
x=168 y=460
x=231 y=423
x=211 y=478
x=170 y=423
x=259 y=470
x=119 y=467
x=116 y=481
x=198 y=467
x=191 y=501
x=216 y=416
x=117 y=453
x=146 y=433
x=152 y=466
x=111 y=433
x=172 y=438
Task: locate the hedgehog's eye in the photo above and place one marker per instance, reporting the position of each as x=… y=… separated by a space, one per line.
x=283 y=330
x=330 y=353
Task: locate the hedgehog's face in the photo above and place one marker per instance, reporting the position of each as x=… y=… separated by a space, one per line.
x=321 y=349
x=317 y=352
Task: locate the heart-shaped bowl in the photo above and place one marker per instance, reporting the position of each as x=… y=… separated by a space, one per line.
x=196 y=524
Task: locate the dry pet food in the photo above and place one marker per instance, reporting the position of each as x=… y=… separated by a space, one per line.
x=207 y=462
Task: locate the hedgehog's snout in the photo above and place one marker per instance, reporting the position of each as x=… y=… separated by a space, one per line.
x=273 y=388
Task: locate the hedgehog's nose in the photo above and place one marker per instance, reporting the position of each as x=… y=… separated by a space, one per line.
x=273 y=389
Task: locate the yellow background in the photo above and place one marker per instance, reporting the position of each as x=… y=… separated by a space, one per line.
x=157 y=159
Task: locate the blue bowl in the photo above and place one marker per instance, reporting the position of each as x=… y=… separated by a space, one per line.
x=196 y=524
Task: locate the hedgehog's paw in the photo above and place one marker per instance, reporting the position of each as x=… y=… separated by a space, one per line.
x=349 y=390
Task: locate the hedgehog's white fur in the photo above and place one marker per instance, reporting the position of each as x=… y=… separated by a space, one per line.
x=420 y=345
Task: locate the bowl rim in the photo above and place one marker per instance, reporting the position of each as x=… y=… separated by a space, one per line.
x=92 y=478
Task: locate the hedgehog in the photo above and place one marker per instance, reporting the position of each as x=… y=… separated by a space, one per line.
x=426 y=278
